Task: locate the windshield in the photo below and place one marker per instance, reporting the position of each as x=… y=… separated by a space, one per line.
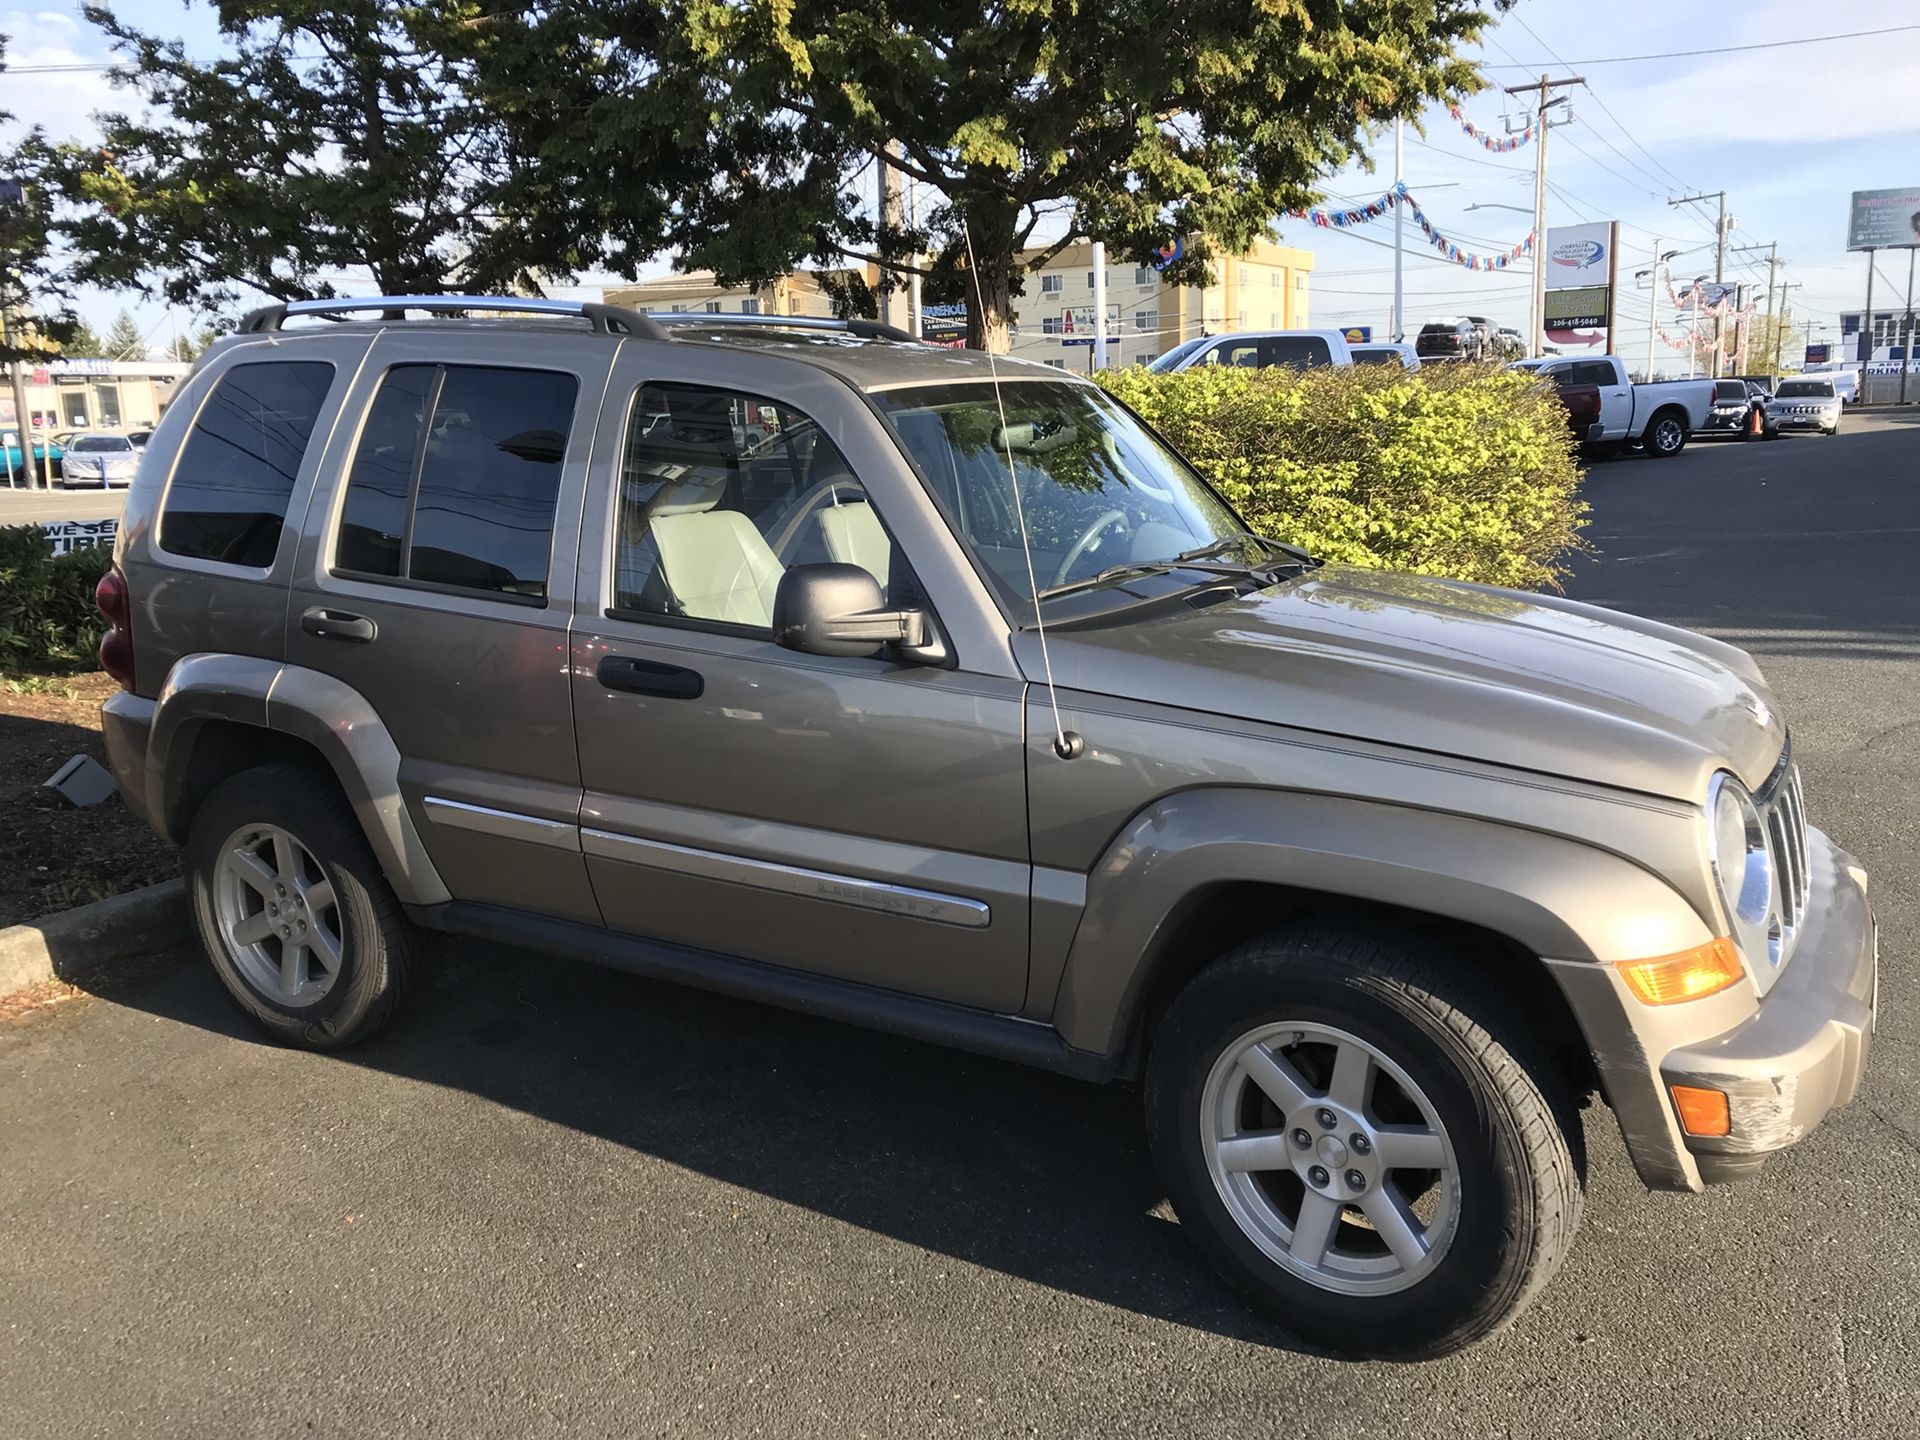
x=1805 y=390
x=1173 y=357
x=109 y=444
x=1097 y=489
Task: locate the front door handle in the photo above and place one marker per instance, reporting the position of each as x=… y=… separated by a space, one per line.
x=649 y=677
x=338 y=625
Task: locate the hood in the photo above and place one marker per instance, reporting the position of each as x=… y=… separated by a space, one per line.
x=1528 y=681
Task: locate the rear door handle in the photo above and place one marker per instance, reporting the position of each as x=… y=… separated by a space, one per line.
x=337 y=625
x=649 y=677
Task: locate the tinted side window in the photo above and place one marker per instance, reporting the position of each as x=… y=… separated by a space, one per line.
x=1302 y=352
x=467 y=498
x=229 y=493
x=1234 y=352
x=1592 y=372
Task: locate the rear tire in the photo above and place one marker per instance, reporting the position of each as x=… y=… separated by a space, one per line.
x=1259 y=1050
x=296 y=916
x=1666 y=436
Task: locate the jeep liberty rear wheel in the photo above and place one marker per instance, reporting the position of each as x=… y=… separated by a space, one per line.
x=296 y=917
x=1360 y=1137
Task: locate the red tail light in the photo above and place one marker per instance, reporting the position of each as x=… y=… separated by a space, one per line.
x=115 y=605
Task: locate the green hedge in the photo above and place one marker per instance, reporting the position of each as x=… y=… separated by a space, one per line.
x=47 y=619
x=1461 y=470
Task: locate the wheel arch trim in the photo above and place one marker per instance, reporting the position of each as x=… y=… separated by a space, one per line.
x=327 y=715
x=1552 y=897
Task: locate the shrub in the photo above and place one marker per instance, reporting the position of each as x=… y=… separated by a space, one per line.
x=1460 y=470
x=47 y=619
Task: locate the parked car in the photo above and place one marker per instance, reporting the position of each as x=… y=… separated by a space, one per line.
x=98 y=458
x=46 y=452
x=1369 y=879
x=1458 y=338
x=1509 y=344
x=1735 y=403
x=1386 y=352
x=1296 y=349
x=1806 y=402
x=1659 y=418
x=139 y=438
x=1583 y=408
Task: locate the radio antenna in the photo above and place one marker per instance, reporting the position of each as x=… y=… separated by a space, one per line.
x=1066 y=743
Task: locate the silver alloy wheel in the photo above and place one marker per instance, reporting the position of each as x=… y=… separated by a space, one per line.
x=1667 y=436
x=278 y=916
x=1330 y=1158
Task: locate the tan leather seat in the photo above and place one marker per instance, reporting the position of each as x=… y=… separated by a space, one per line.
x=853 y=536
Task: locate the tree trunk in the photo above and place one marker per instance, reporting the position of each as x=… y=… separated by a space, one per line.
x=990 y=311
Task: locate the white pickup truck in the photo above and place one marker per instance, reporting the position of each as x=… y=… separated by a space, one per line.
x=1660 y=418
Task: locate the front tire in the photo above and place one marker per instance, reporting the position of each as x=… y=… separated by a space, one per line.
x=296 y=916
x=1437 y=1188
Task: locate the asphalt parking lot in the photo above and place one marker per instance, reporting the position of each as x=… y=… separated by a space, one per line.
x=567 y=1201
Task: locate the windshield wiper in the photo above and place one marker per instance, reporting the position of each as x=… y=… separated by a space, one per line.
x=1125 y=571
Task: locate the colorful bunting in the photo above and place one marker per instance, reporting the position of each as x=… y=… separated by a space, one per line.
x=1374 y=209
x=1498 y=144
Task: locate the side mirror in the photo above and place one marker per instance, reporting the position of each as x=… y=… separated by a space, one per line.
x=840 y=610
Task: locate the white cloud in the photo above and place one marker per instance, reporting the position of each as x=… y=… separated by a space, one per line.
x=60 y=101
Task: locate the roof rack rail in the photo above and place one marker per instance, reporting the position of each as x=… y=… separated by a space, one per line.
x=606 y=319
x=863 y=329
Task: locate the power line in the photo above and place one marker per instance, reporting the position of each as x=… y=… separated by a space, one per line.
x=1722 y=49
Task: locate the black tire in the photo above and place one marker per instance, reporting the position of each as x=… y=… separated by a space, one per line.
x=380 y=951
x=1506 y=1105
x=1666 y=435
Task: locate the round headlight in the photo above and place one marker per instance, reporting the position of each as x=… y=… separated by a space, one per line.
x=1741 y=865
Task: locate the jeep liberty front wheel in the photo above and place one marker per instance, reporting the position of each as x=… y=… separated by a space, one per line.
x=296 y=917
x=1359 y=1137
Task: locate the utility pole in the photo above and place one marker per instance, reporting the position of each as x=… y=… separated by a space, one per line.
x=1719 y=258
x=1786 y=325
x=1399 y=228
x=22 y=422
x=1099 y=305
x=891 y=305
x=1537 y=302
x=1906 y=330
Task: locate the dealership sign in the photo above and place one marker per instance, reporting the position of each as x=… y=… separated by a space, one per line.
x=1579 y=255
x=1884 y=219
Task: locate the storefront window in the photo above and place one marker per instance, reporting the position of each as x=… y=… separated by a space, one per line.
x=73 y=406
x=106 y=406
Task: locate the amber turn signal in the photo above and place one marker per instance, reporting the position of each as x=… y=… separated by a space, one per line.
x=1669 y=979
x=1702 y=1112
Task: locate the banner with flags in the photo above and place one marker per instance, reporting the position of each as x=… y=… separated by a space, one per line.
x=1360 y=215
x=1498 y=144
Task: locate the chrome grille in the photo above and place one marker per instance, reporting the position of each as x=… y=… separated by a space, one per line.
x=1783 y=810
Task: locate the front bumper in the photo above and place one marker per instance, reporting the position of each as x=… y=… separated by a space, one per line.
x=1725 y=421
x=1783 y=1061
x=1801 y=422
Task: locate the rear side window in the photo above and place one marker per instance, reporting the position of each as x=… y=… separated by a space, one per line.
x=455 y=477
x=229 y=493
x=1302 y=352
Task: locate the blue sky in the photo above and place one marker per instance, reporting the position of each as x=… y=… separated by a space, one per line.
x=1788 y=132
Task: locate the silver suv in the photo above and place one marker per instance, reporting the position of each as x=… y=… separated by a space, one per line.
x=937 y=694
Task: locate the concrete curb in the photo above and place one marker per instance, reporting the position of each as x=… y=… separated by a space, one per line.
x=59 y=947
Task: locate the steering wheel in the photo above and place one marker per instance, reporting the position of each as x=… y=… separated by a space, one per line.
x=1088 y=539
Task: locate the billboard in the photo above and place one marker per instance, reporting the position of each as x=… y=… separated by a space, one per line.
x=1579 y=255
x=1816 y=355
x=1884 y=219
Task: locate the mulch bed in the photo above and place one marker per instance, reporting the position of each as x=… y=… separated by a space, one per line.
x=53 y=856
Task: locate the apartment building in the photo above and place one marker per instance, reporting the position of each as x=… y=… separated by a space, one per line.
x=799 y=293
x=1265 y=289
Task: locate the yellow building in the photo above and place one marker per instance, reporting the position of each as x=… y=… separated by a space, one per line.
x=1265 y=289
